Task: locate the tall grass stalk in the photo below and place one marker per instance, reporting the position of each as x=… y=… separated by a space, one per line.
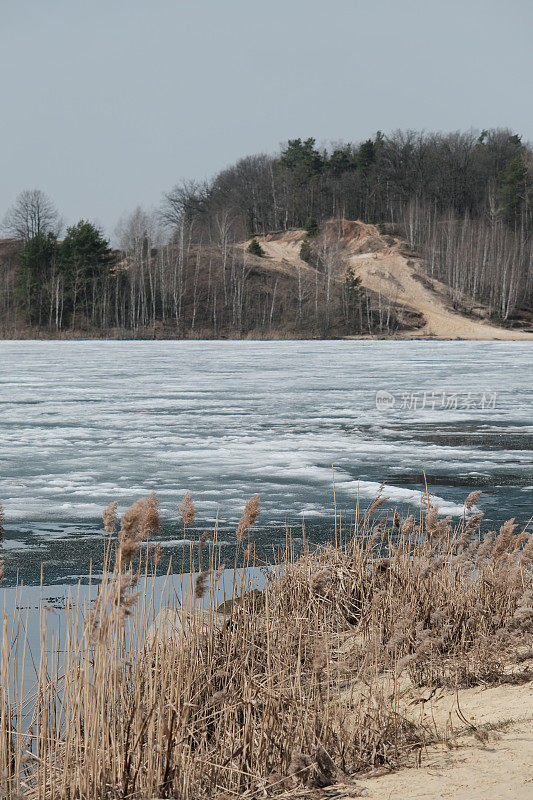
x=299 y=684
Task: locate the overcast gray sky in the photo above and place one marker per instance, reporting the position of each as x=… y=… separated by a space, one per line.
x=107 y=103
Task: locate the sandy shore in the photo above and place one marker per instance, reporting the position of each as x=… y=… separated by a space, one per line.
x=491 y=758
x=496 y=761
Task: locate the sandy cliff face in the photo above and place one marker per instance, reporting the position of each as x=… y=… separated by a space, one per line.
x=381 y=263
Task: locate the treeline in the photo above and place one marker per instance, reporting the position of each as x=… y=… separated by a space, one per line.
x=463 y=173
x=156 y=286
x=463 y=200
x=482 y=260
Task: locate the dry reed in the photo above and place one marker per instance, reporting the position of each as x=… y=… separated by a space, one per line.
x=137 y=523
x=187 y=510
x=249 y=516
x=109 y=515
x=301 y=689
x=472 y=499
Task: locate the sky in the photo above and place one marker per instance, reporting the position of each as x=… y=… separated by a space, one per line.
x=109 y=103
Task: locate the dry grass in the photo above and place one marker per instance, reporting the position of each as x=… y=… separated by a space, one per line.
x=300 y=687
x=187 y=510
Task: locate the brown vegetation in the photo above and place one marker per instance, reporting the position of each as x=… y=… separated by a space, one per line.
x=189 y=289
x=303 y=685
x=192 y=290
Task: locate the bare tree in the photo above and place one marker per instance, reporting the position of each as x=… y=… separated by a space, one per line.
x=138 y=227
x=32 y=213
x=139 y=235
x=184 y=202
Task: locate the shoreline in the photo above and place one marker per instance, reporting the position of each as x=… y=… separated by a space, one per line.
x=525 y=337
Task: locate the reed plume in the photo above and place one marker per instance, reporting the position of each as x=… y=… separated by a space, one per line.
x=504 y=538
x=407 y=525
x=201 y=584
x=249 y=516
x=472 y=499
x=376 y=503
x=109 y=515
x=124 y=599
x=138 y=521
x=474 y=521
x=187 y=510
x=151 y=522
x=431 y=519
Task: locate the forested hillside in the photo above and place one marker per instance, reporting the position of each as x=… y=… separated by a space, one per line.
x=462 y=202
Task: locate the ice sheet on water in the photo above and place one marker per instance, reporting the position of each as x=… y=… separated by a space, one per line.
x=84 y=423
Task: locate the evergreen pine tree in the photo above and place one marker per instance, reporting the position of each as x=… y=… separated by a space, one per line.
x=34 y=270
x=84 y=256
x=311 y=226
x=513 y=190
x=255 y=248
x=305 y=251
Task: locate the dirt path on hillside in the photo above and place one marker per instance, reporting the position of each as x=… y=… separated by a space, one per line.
x=390 y=274
x=395 y=277
x=284 y=255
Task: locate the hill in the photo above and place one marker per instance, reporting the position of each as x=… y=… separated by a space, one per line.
x=427 y=235
x=360 y=280
x=391 y=272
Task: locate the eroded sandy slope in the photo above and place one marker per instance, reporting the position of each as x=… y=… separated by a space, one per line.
x=384 y=270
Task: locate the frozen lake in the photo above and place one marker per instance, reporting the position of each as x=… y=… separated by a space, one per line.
x=84 y=423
